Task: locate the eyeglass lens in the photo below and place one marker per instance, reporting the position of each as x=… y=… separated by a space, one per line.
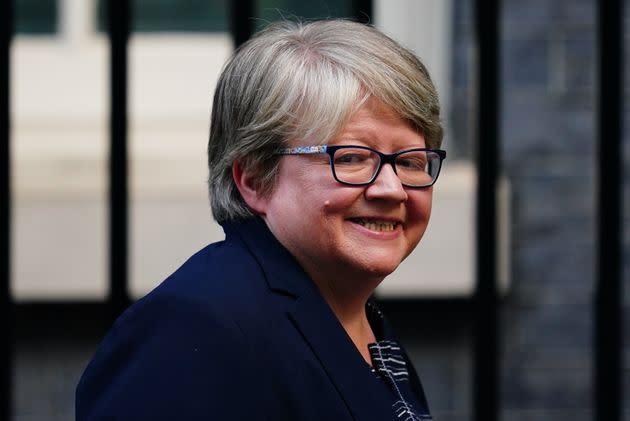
x=358 y=166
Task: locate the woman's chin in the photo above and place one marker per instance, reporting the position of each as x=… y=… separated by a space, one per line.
x=377 y=268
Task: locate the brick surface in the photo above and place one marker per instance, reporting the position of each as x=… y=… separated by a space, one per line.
x=548 y=142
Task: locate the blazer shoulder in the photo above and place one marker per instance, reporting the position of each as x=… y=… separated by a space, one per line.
x=184 y=348
x=166 y=355
x=222 y=273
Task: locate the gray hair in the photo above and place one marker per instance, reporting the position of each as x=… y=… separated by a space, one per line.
x=296 y=80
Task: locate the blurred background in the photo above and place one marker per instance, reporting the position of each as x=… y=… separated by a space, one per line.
x=546 y=198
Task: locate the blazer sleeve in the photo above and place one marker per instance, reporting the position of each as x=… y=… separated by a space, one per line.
x=167 y=359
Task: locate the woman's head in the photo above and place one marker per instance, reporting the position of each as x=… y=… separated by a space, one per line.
x=301 y=83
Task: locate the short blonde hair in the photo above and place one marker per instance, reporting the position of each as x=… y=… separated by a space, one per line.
x=296 y=80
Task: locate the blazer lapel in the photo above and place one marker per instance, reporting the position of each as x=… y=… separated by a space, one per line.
x=352 y=378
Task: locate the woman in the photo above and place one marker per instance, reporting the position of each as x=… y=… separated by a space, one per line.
x=322 y=156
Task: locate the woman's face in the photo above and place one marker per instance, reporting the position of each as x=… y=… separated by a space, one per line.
x=338 y=230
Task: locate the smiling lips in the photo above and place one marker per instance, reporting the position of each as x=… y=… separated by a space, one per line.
x=376 y=224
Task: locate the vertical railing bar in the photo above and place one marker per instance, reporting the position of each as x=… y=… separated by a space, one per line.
x=6 y=304
x=242 y=20
x=118 y=20
x=608 y=297
x=485 y=370
x=362 y=10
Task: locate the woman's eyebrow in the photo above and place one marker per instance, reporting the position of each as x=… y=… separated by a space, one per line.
x=348 y=140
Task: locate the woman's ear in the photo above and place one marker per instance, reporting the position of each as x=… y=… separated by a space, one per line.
x=245 y=181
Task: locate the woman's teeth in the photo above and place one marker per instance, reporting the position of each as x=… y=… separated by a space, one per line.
x=377 y=225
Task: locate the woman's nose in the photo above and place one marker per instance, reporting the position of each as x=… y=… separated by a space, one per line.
x=387 y=186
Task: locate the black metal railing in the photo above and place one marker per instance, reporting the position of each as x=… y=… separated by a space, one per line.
x=608 y=296
x=6 y=306
x=242 y=23
x=485 y=303
x=118 y=23
x=485 y=369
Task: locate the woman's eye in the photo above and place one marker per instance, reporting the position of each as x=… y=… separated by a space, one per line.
x=350 y=158
x=411 y=163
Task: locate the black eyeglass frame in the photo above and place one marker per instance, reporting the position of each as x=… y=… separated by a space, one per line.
x=384 y=158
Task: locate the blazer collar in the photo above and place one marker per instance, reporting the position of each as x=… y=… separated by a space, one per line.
x=357 y=385
x=282 y=272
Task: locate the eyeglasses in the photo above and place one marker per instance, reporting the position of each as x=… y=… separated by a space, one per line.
x=360 y=165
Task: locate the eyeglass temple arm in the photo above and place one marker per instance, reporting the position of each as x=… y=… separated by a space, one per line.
x=302 y=150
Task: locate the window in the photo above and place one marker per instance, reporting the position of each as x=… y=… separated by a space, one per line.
x=173 y=15
x=35 y=16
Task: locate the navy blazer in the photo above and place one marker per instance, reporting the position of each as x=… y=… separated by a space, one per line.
x=239 y=332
